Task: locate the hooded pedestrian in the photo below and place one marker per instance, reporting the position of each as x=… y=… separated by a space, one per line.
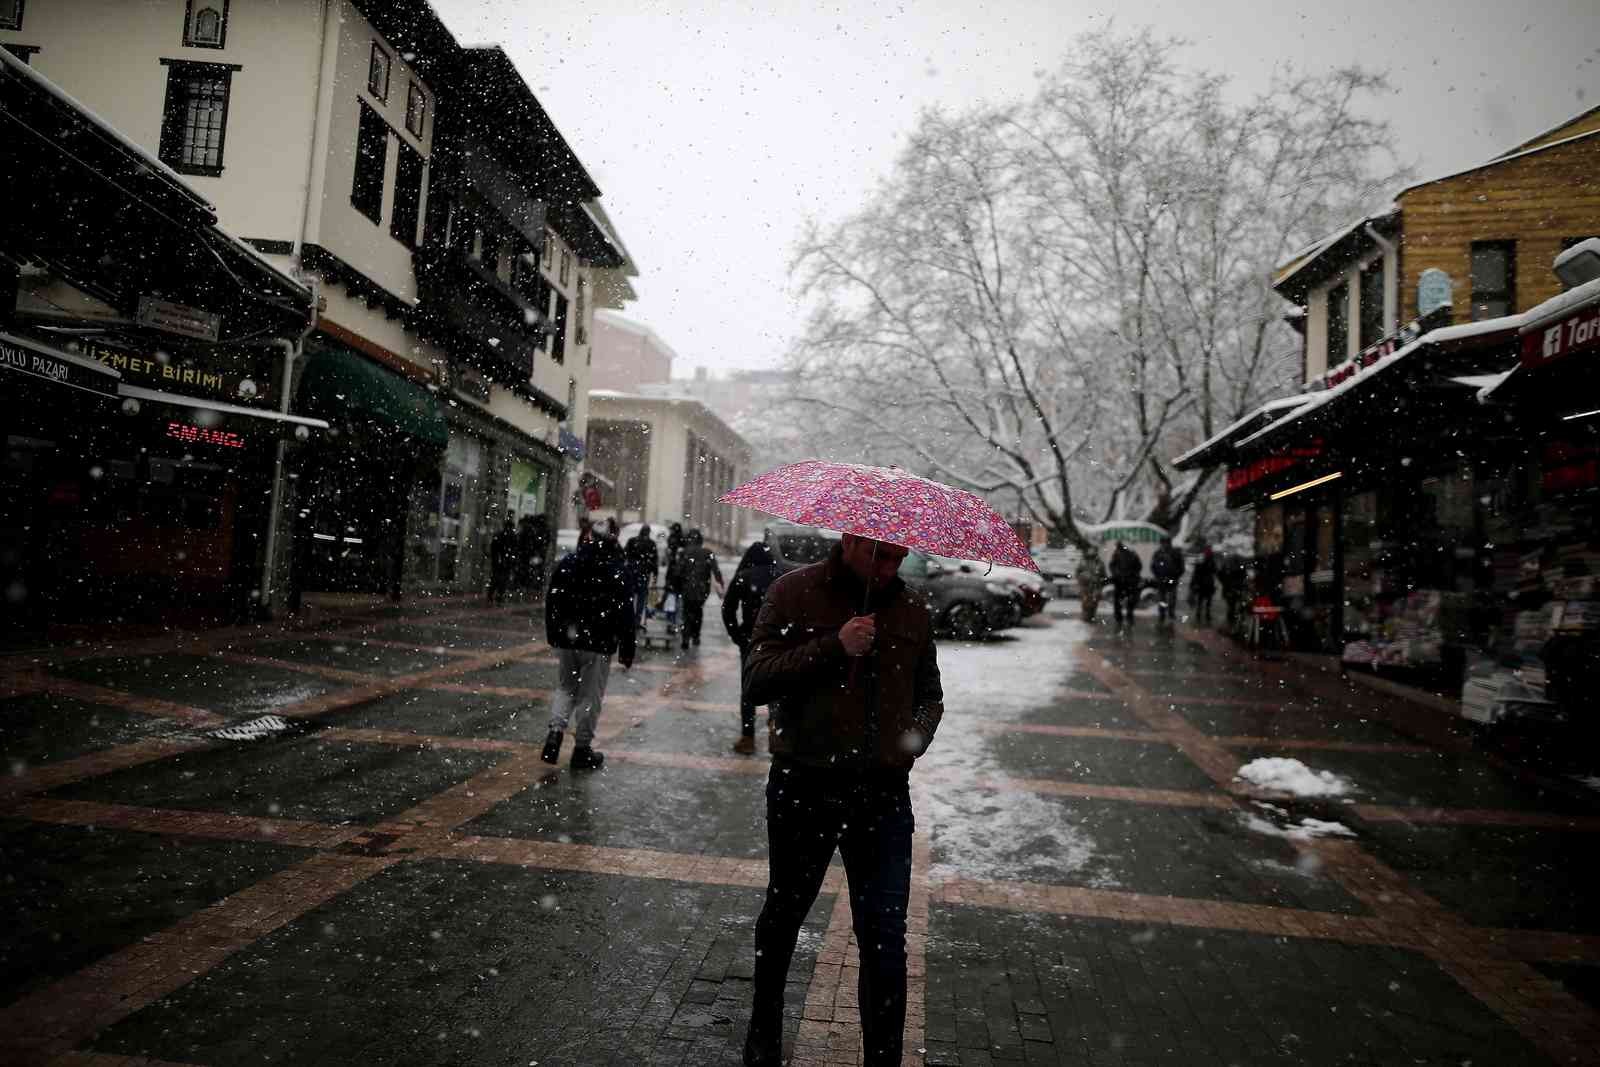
x=1126 y=567
x=740 y=607
x=1166 y=567
x=644 y=560
x=675 y=543
x=697 y=570
x=851 y=714
x=588 y=617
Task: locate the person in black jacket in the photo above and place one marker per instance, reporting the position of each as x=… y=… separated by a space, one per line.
x=1166 y=567
x=740 y=606
x=1126 y=567
x=502 y=561
x=588 y=616
x=691 y=577
x=1203 y=586
x=644 y=560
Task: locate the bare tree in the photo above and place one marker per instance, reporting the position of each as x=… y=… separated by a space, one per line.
x=1042 y=302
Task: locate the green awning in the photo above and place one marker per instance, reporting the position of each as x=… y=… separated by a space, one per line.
x=341 y=385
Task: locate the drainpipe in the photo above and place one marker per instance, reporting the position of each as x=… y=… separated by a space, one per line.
x=1391 y=323
x=291 y=352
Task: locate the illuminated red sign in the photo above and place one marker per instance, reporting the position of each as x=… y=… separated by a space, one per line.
x=1243 y=477
x=199 y=435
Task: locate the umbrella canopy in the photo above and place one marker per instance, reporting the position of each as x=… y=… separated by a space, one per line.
x=885 y=504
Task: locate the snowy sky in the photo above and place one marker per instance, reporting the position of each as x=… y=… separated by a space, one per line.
x=715 y=129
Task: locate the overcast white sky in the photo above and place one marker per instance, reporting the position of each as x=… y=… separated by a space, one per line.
x=715 y=129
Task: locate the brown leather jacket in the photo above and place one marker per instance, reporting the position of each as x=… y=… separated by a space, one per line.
x=824 y=704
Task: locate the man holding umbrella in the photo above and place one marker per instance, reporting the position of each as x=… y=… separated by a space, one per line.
x=846 y=658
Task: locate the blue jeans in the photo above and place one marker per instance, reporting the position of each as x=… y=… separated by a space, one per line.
x=867 y=817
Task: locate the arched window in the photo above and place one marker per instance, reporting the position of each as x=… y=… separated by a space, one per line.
x=205 y=25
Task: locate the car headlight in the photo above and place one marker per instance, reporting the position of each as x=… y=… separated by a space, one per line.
x=998 y=588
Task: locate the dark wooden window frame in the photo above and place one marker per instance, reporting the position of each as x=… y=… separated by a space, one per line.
x=173 y=110
x=356 y=184
x=1507 y=294
x=189 y=40
x=23 y=52
x=1371 y=324
x=388 y=72
x=15 y=22
x=415 y=93
x=558 y=330
x=406 y=218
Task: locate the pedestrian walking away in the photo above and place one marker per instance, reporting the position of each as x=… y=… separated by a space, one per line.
x=1126 y=567
x=502 y=561
x=697 y=571
x=1203 y=586
x=741 y=605
x=675 y=544
x=1166 y=567
x=588 y=617
x=851 y=714
x=644 y=560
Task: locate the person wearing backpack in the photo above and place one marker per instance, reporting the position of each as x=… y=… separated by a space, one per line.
x=740 y=606
x=1126 y=567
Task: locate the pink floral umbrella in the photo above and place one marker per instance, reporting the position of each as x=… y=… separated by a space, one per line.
x=886 y=504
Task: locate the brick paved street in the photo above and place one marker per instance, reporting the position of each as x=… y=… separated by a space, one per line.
x=398 y=879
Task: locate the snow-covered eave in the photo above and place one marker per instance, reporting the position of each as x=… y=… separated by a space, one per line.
x=1185 y=461
x=619 y=397
x=1560 y=304
x=1298 y=262
x=1444 y=335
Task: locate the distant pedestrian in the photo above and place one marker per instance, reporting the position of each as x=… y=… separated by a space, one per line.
x=644 y=561
x=502 y=561
x=523 y=579
x=740 y=607
x=675 y=542
x=1166 y=567
x=1126 y=568
x=1231 y=575
x=588 y=616
x=539 y=559
x=1203 y=586
x=697 y=570
x=852 y=713
x=1091 y=583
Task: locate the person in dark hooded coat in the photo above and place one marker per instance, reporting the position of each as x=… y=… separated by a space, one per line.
x=740 y=606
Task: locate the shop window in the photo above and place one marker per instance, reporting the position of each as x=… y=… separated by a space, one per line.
x=408 y=182
x=372 y=158
x=416 y=110
x=566 y=268
x=549 y=253
x=205 y=25
x=11 y=14
x=1493 y=279
x=1371 y=296
x=194 y=122
x=558 y=330
x=378 y=73
x=1338 y=324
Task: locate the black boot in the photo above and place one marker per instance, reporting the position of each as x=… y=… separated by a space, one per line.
x=585 y=758
x=763 y=1049
x=552 y=747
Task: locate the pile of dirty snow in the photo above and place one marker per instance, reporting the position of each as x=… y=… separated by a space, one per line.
x=1282 y=775
x=1304 y=830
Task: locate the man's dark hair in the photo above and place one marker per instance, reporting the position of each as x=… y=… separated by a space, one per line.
x=696 y=536
x=644 y=531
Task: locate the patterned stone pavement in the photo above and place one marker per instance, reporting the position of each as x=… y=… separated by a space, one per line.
x=399 y=879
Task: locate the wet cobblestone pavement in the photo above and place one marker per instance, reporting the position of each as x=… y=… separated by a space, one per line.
x=398 y=878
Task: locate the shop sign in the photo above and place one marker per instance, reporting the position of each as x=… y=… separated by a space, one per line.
x=1388 y=346
x=179 y=319
x=190 y=434
x=228 y=375
x=1240 y=478
x=1578 y=332
x=1433 y=291
x=54 y=367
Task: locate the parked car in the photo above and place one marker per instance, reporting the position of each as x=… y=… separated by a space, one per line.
x=963 y=602
x=1030 y=587
x=795 y=546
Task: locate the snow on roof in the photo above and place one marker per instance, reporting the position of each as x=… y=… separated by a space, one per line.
x=1503 y=159
x=105 y=128
x=1443 y=335
x=1298 y=261
x=1561 y=304
x=1222 y=435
